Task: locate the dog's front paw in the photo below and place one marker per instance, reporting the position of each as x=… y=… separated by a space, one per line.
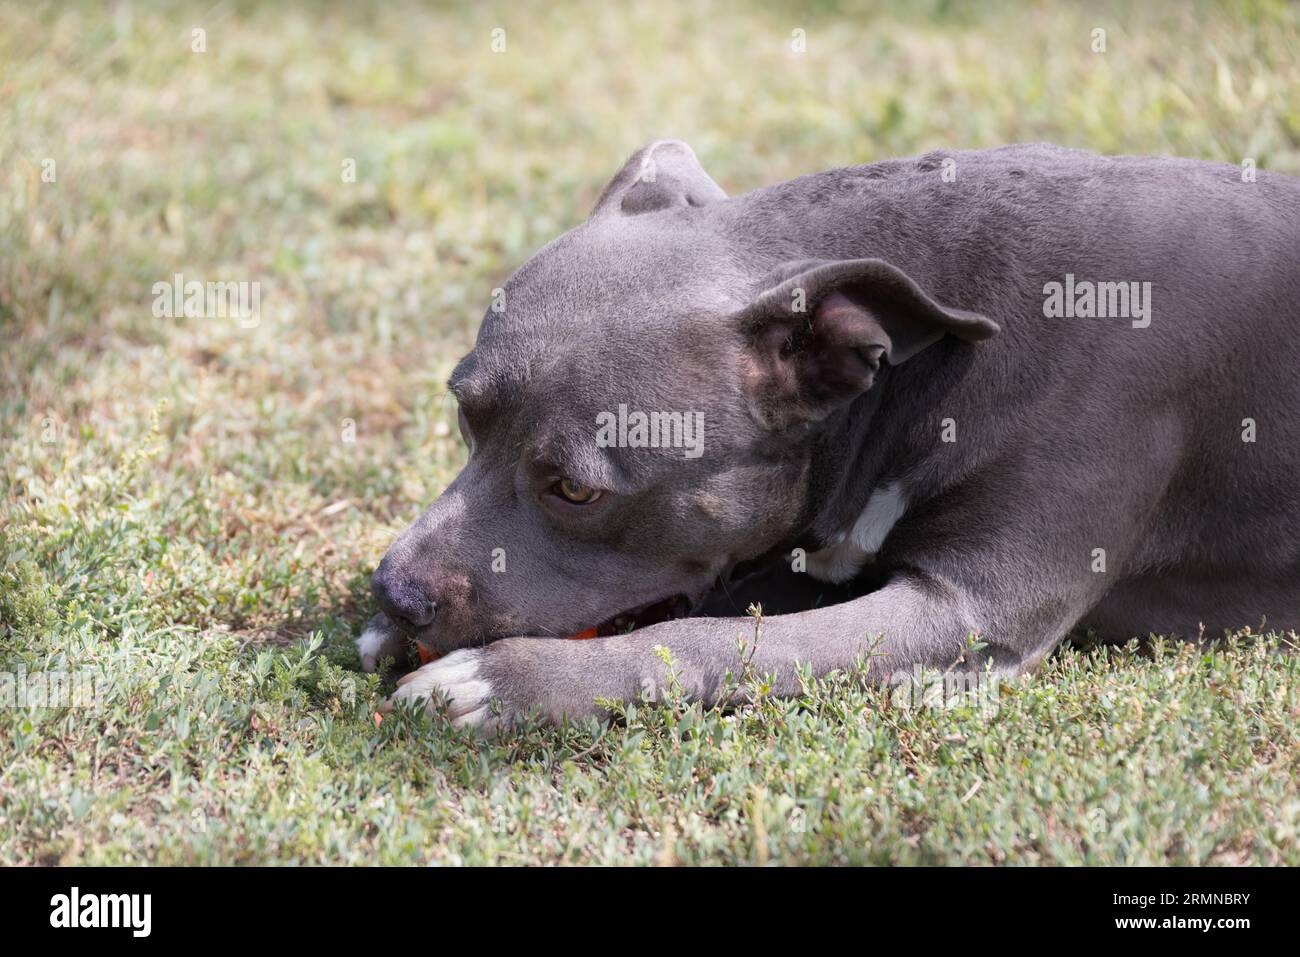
x=552 y=679
x=459 y=678
x=380 y=640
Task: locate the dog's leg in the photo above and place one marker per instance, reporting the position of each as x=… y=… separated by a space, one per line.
x=908 y=622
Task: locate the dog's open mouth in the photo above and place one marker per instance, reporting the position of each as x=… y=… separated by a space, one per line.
x=666 y=609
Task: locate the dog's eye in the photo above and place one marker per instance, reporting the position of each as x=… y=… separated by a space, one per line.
x=572 y=491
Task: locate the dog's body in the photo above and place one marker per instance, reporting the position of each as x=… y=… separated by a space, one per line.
x=893 y=372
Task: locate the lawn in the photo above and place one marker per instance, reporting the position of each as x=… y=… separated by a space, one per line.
x=190 y=508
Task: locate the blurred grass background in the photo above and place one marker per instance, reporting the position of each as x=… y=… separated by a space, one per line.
x=179 y=499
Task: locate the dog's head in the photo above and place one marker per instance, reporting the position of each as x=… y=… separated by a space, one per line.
x=641 y=406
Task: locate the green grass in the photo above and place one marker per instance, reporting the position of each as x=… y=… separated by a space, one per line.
x=180 y=510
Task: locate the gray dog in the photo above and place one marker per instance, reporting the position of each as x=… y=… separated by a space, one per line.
x=1025 y=392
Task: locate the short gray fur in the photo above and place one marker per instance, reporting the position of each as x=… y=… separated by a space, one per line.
x=923 y=283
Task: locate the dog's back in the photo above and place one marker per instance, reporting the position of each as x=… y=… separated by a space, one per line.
x=1194 y=373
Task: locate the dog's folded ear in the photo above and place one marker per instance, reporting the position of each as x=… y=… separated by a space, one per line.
x=815 y=340
x=665 y=173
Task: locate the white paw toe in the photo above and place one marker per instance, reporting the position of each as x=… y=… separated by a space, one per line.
x=372 y=645
x=457 y=678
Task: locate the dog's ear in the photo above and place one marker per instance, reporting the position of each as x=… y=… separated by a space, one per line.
x=815 y=340
x=665 y=173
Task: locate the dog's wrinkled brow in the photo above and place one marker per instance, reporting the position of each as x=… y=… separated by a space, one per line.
x=462 y=374
x=469 y=386
x=469 y=398
x=482 y=383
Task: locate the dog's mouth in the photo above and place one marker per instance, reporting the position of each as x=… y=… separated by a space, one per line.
x=675 y=606
x=666 y=609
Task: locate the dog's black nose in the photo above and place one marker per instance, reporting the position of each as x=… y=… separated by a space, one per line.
x=404 y=599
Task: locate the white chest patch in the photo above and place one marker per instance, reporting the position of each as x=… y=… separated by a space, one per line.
x=842 y=560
